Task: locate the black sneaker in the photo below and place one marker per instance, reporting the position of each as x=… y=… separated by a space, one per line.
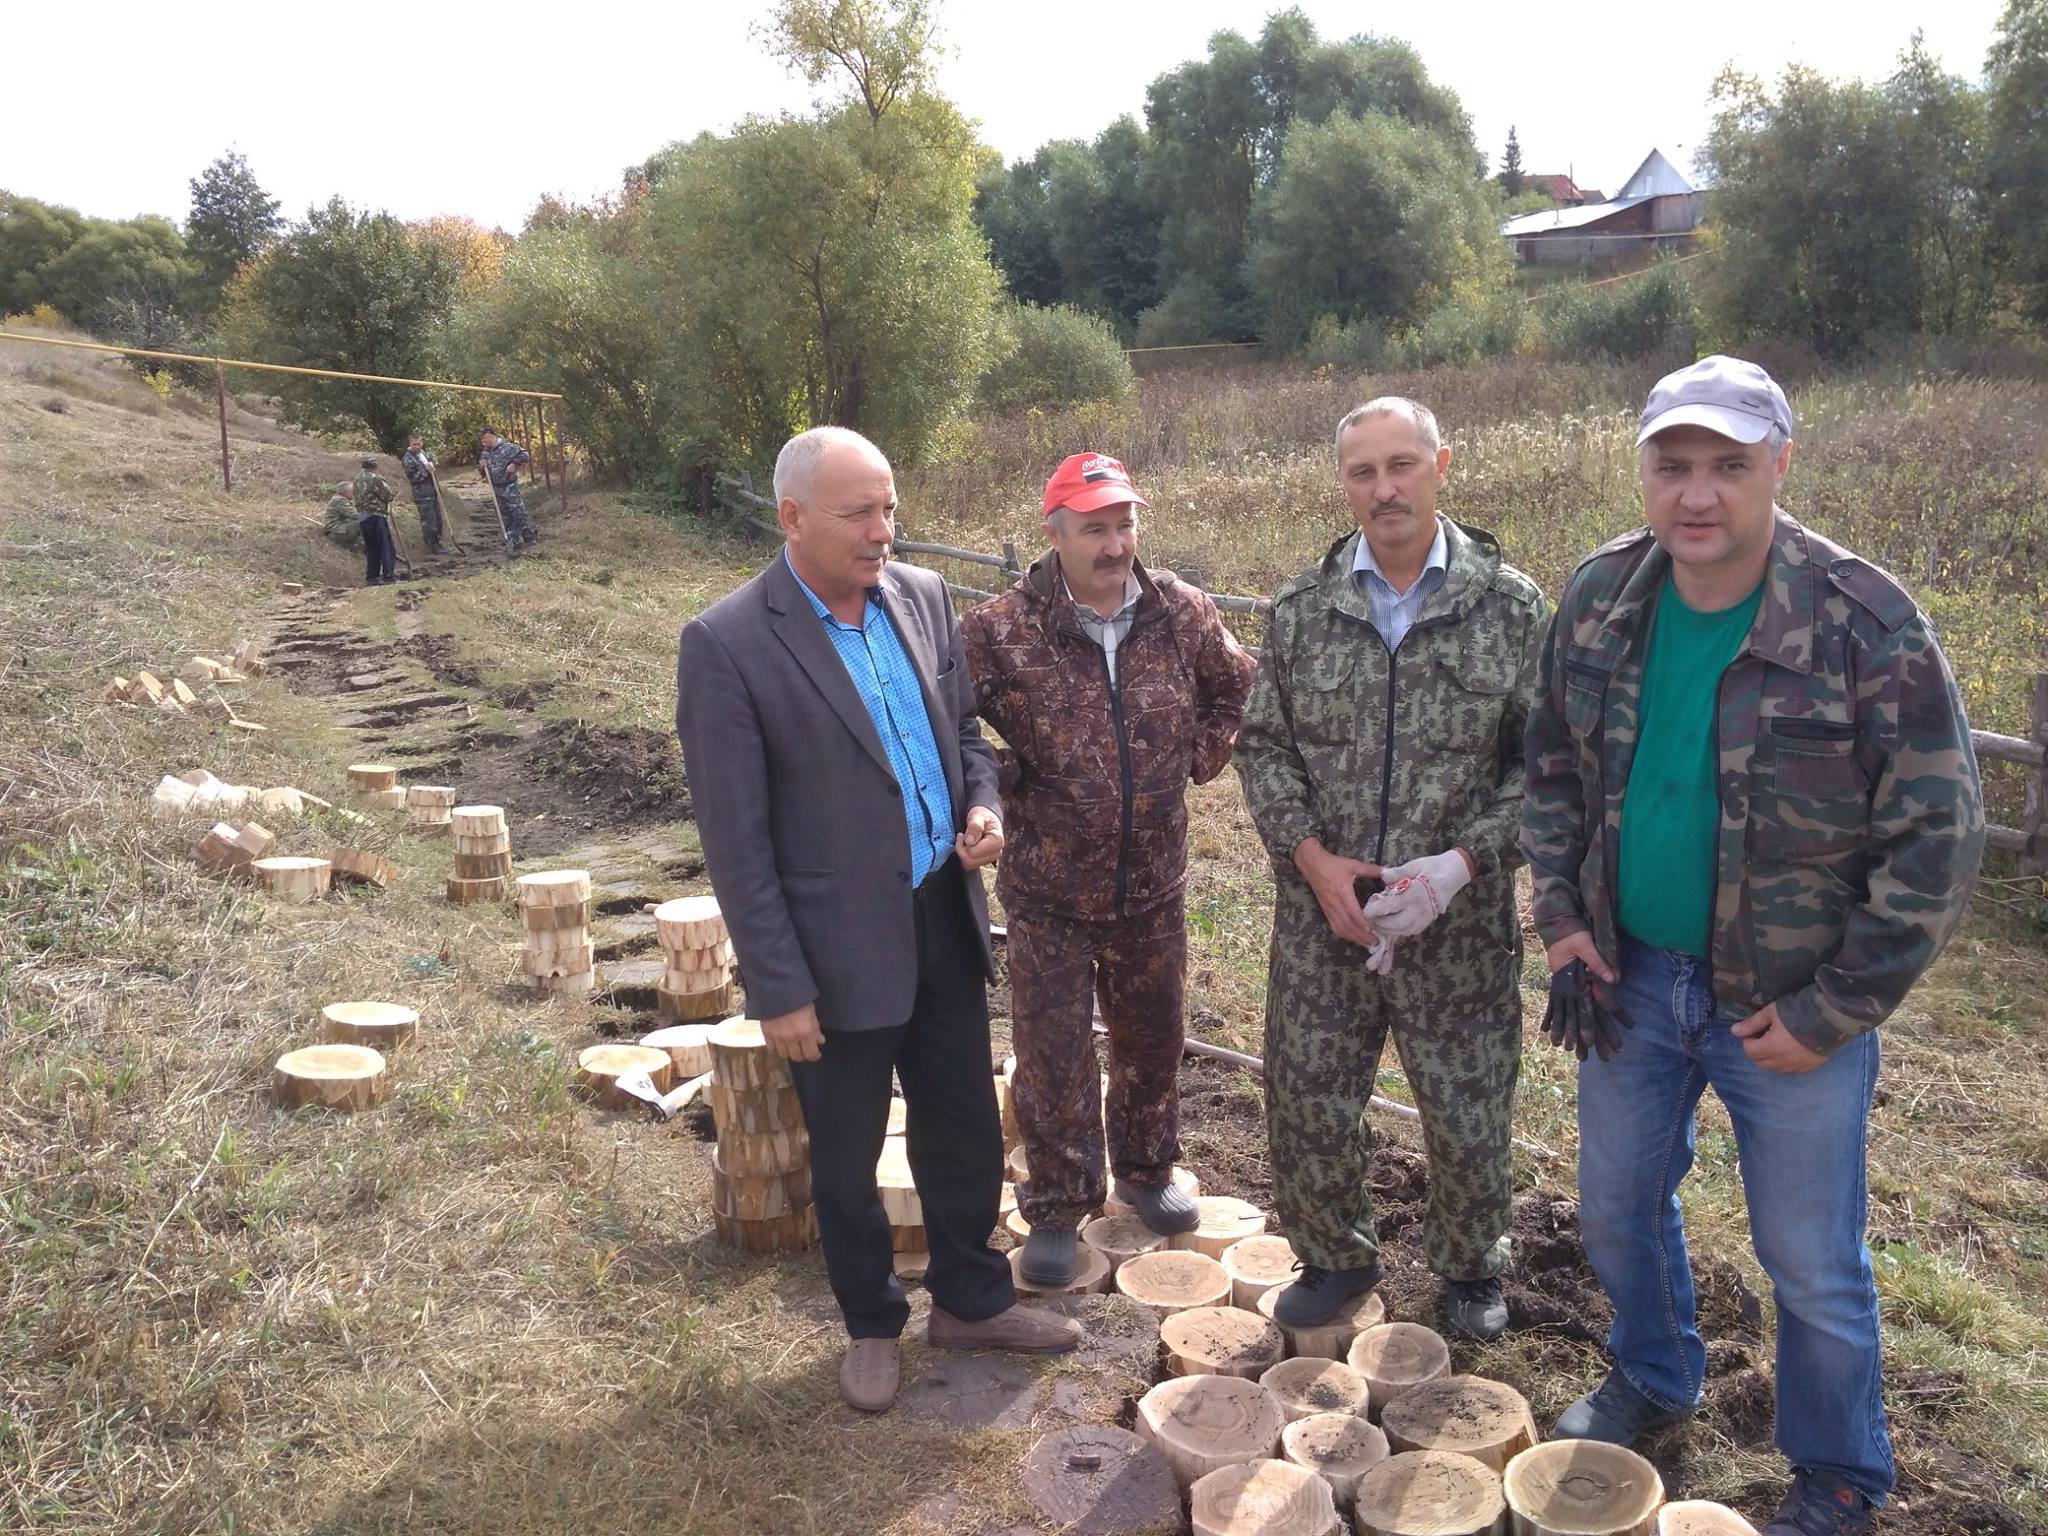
x=1475 y=1309
x=1320 y=1294
x=1615 y=1412
x=1822 y=1504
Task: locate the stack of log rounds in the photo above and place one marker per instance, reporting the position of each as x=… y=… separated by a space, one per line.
x=1263 y=1498
x=1092 y=1275
x=1396 y=1356
x=1206 y=1423
x=1308 y=1385
x=1701 y=1517
x=292 y=878
x=600 y=1067
x=560 y=957
x=1486 y=1420
x=1586 y=1488
x=696 y=980
x=1329 y=1340
x=1257 y=1265
x=1340 y=1447
x=1429 y=1493
x=343 y=1077
x=761 y=1187
x=688 y=1047
x=430 y=808
x=483 y=853
x=362 y=867
x=1220 y=1341
x=1225 y=1219
x=1118 y=1238
x=1183 y=1180
x=386 y=1026
x=1173 y=1280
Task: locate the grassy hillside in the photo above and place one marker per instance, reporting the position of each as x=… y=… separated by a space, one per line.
x=487 y=1306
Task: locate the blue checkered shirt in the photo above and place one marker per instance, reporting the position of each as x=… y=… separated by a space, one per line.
x=874 y=658
x=1393 y=613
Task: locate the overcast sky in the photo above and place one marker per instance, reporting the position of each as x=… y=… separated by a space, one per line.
x=427 y=107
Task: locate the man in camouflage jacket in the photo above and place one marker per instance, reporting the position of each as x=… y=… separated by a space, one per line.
x=1753 y=821
x=340 y=522
x=373 y=518
x=1383 y=744
x=426 y=495
x=499 y=463
x=1112 y=687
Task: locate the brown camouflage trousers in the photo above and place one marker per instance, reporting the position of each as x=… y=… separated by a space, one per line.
x=1137 y=966
x=1327 y=1023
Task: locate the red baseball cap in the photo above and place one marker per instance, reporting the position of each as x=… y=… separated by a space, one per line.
x=1088 y=482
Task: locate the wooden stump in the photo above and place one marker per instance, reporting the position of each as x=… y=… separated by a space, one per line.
x=294 y=879
x=1172 y=1280
x=462 y=892
x=1486 y=1420
x=483 y=821
x=1205 y=1423
x=753 y=1112
x=483 y=866
x=382 y=799
x=254 y=840
x=1329 y=1340
x=1583 y=1488
x=1339 y=1447
x=343 y=1077
x=1220 y=1341
x=761 y=1197
x=217 y=852
x=1256 y=1265
x=689 y=922
x=787 y=1233
x=573 y=957
x=566 y=986
x=293 y=588
x=1430 y=1493
x=365 y=777
x=693 y=1007
x=898 y=1189
x=1098 y=1480
x=1183 y=1180
x=1118 y=1238
x=741 y=1060
x=555 y=919
x=430 y=797
x=694 y=980
x=687 y=1047
x=1309 y=1385
x=552 y=888
x=383 y=1025
x=1397 y=1356
x=1092 y=1276
x=480 y=847
x=359 y=866
x=599 y=1068
x=1225 y=1220
x=1263 y=1498
x=1701 y=1517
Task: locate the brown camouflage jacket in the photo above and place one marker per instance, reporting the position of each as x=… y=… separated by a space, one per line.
x=1094 y=777
x=1851 y=817
x=1387 y=758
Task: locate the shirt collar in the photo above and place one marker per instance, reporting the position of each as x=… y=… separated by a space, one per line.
x=874 y=594
x=1439 y=557
x=1132 y=592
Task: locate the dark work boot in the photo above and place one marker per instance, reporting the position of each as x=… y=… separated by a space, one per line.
x=1475 y=1309
x=1049 y=1258
x=1168 y=1210
x=1320 y=1294
x=1615 y=1412
x=1821 y=1504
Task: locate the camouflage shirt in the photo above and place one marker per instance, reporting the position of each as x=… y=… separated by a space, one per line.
x=373 y=496
x=340 y=523
x=1851 y=817
x=501 y=464
x=1095 y=775
x=1385 y=757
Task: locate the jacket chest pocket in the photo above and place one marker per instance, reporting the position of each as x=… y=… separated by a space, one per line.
x=1468 y=692
x=1326 y=699
x=1812 y=799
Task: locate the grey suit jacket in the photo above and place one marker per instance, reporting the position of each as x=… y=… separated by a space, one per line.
x=800 y=816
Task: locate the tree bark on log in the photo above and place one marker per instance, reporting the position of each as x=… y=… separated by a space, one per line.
x=1263 y=1498
x=689 y=922
x=1430 y=1493
x=1582 y=1488
x=294 y=879
x=364 y=777
x=383 y=1026
x=787 y=1233
x=478 y=820
x=753 y=1112
x=363 y=867
x=1486 y=1420
x=741 y=1061
x=1205 y=1423
x=693 y=1007
x=1396 y=1356
x=344 y=1077
x=1220 y=1341
x=757 y=1199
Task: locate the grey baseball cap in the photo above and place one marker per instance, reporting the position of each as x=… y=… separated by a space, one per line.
x=1723 y=394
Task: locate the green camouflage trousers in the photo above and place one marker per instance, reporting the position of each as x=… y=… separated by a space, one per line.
x=1327 y=1022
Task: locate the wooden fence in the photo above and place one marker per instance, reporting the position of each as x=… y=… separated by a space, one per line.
x=2030 y=752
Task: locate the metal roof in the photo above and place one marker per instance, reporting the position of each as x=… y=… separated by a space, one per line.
x=1552 y=219
x=1655 y=177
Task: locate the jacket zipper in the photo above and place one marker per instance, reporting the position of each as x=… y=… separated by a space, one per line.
x=1123 y=762
x=1379 y=852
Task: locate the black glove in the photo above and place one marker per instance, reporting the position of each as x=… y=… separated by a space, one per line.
x=1577 y=1019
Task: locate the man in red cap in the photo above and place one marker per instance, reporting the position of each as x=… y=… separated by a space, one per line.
x=1111 y=686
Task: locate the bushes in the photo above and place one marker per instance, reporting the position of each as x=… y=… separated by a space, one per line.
x=1054 y=355
x=1469 y=326
x=1649 y=316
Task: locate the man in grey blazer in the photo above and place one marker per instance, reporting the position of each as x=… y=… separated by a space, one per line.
x=846 y=800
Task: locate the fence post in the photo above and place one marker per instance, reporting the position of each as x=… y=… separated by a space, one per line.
x=1011 y=568
x=561 y=447
x=2034 y=861
x=220 y=397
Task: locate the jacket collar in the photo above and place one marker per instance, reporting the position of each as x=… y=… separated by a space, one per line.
x=1471 y=560
x=1783 y=633
x=1047 y=587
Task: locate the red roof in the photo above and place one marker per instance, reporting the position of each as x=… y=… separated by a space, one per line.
x=1561 y=189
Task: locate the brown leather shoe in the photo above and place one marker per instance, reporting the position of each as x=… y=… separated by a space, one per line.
x=869 y=1374
x=1024 y=1330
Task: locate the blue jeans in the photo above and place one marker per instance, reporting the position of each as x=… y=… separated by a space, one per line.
x=1800 y=1140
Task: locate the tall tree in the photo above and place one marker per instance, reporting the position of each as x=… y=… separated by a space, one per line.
x=231 y=221
x=885 y=48
x=32 y=235
x=1510 y=177
x=2016 y=150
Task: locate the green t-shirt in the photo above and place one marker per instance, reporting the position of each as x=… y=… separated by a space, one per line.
x=1672 y=812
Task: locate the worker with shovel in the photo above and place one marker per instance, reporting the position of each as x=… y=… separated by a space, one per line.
x=499 y=461
x=426 y=494
x=373 y=517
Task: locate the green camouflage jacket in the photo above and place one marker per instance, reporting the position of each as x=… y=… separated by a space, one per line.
x=1387 y=758
x=1851 y=817
x=340 y=522
x=373 y=496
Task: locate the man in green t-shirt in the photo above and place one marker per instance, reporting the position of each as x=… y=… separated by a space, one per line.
x=1753 y=820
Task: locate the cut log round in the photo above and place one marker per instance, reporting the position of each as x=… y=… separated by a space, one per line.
x=1327 y=1340
x=566 y=986
x=757 y=1197
x=908 y=1240
x=897 y=1187
x=1339 y=1447
x=439 y=797
x=787 y=1233
x=1486 y=1420
x=478 y=820
x=558 y=959
x=1701 y=1517
x=741 y=1060
x=1183 y=1180
x=1014 y=1223
x=1092 y=1276
x=1018 y=1166
x=1118 y=1238
x=1098 y=1480
x=1582 y=1488
x=689 y=922
x=751 y=1111
x=1430 y=1493
x=1204 y=1423
x=555 y=919
x=768 y=1152
x=382 y=799
x=701 y=959
x=294 y=879
x=463 y=891
x=693 y=1007
x=599 y=1068
x=1309 y=1384
x=1396 y=1356
x=1263 y=1498
x=1255 y=1266
x=344 y=1077
x=255 y=840
x=1173 y=1280
x=554 y=888
x=383 y=1025
x=217 y=852
x=687 y=1046
x=690 y=983
x=1225 y=1220
x=362 y=867
x=472 y=847
x=483 y=866
x=1220 y=1341
x=368 y=776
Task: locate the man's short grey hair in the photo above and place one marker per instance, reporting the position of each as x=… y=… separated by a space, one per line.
x=1423 y=418
x=796 y=467
x=348 y=487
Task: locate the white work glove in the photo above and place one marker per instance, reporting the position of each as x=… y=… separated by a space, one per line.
x=1417 y=893
x=1379 y=958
